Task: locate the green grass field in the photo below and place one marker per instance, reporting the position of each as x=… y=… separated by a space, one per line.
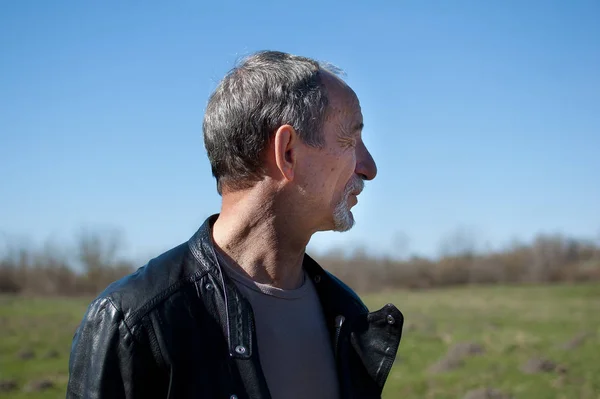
x=510 y=324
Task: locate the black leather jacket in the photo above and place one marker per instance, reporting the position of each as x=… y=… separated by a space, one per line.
x=179 y=328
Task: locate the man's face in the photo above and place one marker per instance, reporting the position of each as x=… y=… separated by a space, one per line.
x=335 y=174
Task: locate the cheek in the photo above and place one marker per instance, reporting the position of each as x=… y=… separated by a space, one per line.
x=347 y=167
x=342 y=173
x=334 y=172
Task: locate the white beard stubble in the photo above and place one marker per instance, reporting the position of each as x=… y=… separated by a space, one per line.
x=342 y=216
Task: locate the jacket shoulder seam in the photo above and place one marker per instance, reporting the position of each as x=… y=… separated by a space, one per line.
x=121 y=316
x=137 y=314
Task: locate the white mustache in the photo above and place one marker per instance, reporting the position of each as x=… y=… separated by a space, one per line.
x=357 y=185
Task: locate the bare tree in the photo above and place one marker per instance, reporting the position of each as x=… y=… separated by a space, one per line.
x=547 y=251
x=98 y=249
x=460 y=242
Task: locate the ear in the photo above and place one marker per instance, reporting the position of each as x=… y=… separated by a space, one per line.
x=285 y=142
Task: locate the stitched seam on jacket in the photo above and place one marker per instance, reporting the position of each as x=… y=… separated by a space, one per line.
x=155 y=342
x=121 y=316
x=147 y=307
x=134 y=340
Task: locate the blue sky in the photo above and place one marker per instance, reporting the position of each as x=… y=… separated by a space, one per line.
x=482 y=116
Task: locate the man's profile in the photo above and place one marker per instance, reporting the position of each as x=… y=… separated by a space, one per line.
x=239 y=310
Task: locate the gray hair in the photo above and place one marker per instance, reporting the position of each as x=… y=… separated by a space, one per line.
x=265 y=91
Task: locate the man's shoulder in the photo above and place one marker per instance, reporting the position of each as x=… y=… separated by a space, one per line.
x=142 y=291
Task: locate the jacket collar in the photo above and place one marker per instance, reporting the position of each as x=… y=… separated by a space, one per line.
x=238 y=316
x=337 y=299
x=373 y=336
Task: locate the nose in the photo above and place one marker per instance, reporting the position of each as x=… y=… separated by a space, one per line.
x=365 y=164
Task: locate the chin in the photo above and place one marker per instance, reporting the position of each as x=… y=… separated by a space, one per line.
x=343 y=222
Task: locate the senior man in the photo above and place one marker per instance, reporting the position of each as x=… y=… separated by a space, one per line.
x=240 y=310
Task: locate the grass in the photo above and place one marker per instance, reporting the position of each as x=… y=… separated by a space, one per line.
x=513 y=324
x=38 y=325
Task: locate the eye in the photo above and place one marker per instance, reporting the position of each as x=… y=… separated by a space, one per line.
x=348 y=142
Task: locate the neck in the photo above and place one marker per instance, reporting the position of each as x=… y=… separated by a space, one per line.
x=264 y=242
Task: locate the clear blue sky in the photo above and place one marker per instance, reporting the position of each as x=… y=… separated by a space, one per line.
x=481 y=115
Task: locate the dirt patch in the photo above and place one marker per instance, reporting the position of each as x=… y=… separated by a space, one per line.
x=455 y=357
x=7 y=386
x=51 y=354
x=576 y=341
x=423 y=324
x=465 y=349
x=445 y=337
x=446 y=364
x=26 y=354
x=486 y=393
x=39 y=386
x=493 y=325
x=540 y=365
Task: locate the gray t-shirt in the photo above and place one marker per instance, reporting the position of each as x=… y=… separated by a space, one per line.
x=294 y=345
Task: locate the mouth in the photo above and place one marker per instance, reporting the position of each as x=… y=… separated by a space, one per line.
x=357 y=188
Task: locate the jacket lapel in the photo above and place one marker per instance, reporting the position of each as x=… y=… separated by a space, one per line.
x=365 y=343
x=236 y=316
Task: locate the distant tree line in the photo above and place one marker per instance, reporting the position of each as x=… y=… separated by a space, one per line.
x=95 y=262
x=547 y=259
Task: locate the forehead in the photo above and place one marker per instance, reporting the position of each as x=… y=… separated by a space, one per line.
x=343 y=102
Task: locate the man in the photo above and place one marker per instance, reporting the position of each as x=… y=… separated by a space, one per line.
x=240 y=311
